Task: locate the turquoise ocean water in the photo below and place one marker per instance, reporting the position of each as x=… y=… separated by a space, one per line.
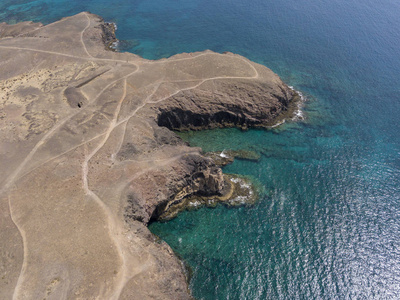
x=328 y=223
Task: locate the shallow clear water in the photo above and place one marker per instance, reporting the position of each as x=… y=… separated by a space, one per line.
x=328 y=225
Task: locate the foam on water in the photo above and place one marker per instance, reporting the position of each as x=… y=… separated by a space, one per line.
x=327 y=226
x=298 y=114
x=223 y=154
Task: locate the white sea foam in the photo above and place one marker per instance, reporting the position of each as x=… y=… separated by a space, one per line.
x=235 y=180
x=195 y=203
x=239 y=199
x=298 y=115
x=244 y=185
x=223 y=154
x=115 y=45
x=278 y=124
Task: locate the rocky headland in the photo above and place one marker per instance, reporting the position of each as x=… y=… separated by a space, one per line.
x=88 y=157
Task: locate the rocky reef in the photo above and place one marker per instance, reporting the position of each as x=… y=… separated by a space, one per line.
x=109 y=38
x=237 y=191
x=89 y=157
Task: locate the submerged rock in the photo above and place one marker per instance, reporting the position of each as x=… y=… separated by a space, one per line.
x=227 y=157
x=88 y=156
x=237 y=191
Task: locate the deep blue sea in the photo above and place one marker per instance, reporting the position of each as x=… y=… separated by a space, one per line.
x=328 y=223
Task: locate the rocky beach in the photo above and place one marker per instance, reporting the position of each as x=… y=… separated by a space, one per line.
x=88 y=155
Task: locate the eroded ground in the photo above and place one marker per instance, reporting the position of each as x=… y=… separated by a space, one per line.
x=84 y=162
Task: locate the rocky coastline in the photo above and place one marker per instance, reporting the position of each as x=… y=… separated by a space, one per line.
x=109 y=39
x=237 y=191
x=89 y=156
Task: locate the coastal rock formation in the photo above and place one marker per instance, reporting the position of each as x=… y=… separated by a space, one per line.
x=225 y=104
x=88 y=159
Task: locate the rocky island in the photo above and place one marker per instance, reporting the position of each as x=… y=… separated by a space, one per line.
x=88 y=157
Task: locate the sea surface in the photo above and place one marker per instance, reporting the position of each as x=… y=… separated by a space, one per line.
x=327 y=225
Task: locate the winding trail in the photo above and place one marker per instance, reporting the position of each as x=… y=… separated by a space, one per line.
x=130 y=69
x=24 y=261
x=112 y=222
x=82 y=32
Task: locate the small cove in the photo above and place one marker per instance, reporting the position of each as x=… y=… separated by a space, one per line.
x=328 y=224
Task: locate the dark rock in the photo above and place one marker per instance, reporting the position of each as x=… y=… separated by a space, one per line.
x=238 y=104
x=108 y=35
x=74 y=97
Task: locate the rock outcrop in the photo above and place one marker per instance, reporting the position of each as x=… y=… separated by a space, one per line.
x=88 y=158
x=235 y=103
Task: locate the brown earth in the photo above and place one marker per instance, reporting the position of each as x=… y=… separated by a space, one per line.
x=87 y=157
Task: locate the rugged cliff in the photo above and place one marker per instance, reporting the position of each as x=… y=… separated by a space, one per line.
x=88 y=157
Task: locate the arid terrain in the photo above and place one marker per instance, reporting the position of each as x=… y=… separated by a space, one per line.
x=88 y=158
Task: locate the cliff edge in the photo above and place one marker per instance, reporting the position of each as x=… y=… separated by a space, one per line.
x=88 y=157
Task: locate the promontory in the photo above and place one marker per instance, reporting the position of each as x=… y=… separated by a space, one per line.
x=88 y=156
